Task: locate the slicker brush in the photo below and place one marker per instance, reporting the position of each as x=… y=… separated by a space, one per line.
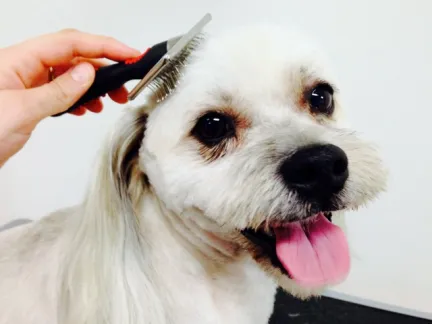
x=157 y=68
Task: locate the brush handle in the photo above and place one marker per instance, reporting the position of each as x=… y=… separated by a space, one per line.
x=112 y=77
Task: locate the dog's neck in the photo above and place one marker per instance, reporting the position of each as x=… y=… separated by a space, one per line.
x=144 y=261
x=191 y=231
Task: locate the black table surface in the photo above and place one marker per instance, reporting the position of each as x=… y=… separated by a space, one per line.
x=323 y=310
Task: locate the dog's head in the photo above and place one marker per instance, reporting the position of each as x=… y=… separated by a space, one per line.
x=253 y=138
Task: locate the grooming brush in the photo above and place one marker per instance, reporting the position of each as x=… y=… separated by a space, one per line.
x=153 y=67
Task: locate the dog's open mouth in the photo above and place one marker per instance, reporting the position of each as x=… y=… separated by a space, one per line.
x=312 y=252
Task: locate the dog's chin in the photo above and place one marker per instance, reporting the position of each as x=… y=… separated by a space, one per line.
x=290 y=253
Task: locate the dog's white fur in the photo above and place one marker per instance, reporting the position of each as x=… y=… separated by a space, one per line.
x=165 y=248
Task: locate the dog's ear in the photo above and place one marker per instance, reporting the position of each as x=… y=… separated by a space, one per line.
x=126 y=178
x=107 y=230
x=119 y=180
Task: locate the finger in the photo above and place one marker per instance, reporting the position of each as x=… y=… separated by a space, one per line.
x=60 y=69
x=94 y=106
x=79 y=111
x=63 y=46
x=119 y=95
x=60 y=94
x=31 y=58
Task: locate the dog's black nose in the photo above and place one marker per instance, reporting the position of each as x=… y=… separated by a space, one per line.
x=316 y=172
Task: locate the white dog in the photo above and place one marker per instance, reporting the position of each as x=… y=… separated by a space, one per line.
x=205 y=202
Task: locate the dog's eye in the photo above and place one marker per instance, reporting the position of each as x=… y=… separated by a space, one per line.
x=213 y=127
x=321 y=99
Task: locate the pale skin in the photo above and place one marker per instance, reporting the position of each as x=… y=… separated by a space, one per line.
x=27 y=95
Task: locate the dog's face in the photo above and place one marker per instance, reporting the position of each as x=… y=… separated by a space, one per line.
x=253 y=138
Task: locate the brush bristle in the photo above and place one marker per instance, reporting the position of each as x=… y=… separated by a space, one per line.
x=168 y=78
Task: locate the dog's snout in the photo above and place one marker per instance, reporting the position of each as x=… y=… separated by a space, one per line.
x=316 y=172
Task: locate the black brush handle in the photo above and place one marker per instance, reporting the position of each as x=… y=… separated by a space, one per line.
x=112 y=77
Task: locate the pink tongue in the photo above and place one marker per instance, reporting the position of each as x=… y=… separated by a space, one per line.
x=316 y=257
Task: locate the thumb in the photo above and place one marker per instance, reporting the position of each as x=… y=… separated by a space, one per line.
x=61 y=93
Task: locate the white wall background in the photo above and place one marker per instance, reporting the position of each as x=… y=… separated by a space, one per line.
x=382 y=51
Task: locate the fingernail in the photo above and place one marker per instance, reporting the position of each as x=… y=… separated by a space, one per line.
x=82 y=72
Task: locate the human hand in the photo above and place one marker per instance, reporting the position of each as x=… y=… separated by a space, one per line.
x=27 y=95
